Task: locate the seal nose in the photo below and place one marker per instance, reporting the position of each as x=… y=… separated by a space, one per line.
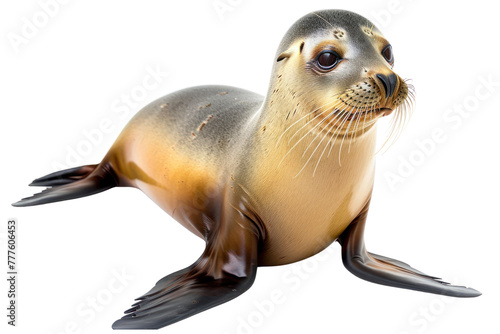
x=389 y=82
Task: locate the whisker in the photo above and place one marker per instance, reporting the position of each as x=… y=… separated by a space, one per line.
x=321 y=17
x=317 y=146
x=356 y=126
x=305 y=115
x=337 y=131
x=324 y=150
x=298 y=141
x=324 y=119
x=333 y=138
x=321 y=130
x=346 y=133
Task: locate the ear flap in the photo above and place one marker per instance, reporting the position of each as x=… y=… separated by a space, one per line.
x=288 y=53
x=284 y=55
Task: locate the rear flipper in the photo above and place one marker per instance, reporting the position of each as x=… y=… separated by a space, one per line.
x=71 y=183
x=383 y=270
x=64 y=176
x=226 y=269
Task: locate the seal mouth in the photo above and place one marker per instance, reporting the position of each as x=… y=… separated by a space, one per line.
x=384 y=111
x=377 y=112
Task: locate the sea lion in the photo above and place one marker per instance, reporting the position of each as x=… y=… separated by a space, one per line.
x=264 y=181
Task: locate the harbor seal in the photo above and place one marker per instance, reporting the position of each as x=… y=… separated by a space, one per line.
x=263 y=180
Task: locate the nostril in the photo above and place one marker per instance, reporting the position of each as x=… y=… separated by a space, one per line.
x=393 y=79
x=389 y=83
x=385 y=83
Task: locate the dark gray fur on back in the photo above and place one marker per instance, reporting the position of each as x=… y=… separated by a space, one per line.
x=210 y=116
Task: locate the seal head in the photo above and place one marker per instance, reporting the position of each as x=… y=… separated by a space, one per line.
x=347 y=65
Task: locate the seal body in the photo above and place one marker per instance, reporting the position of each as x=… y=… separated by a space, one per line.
x=263 y=180
x=206 y=139
x=190 y=153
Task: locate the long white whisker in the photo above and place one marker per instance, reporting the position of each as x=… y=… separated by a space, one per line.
x=320 y=131
x=339 y=128
x=319 y=114
x=346 y=132
x=356 y=125
x=308 y=114
x=298 y=141
x=324 y=150
x=317 y=146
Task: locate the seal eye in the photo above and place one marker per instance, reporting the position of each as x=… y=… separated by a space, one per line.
x=387 y=53
x=327 y=60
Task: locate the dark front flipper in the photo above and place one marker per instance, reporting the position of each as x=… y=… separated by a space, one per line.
x=183 y=296
x=226 y=269
x=383 y=270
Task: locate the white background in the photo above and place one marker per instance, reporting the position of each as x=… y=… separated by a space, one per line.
x=69 y=76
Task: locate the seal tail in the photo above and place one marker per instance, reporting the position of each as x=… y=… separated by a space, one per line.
x=71 y=183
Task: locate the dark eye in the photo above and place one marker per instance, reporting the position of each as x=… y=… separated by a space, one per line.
x=328 y=60
x=387 y=53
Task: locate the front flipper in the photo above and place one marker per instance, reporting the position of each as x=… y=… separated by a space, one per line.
x=185 y=295
x=383 y=270
x=226 y=269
